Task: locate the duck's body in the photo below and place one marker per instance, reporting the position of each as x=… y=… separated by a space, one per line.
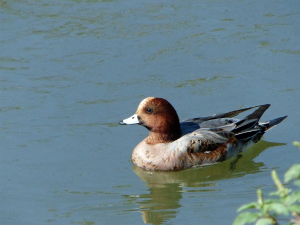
x=174 y=145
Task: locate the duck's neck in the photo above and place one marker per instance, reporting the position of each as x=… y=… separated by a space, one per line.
x=166 y=136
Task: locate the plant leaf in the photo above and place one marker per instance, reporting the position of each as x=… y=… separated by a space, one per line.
x=292 y=198
x=275 y=193
x=245 y=217
x=292 y=173
x=297 y=183
x=265 y=209
x=279 y=208
x=294 y=208
x=264 y=221
x=252 y=205
x=260 y=198
x=296 y=143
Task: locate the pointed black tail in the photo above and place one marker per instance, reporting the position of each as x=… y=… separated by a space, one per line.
x=272 y=123
x=251 y=120
x=256 y=133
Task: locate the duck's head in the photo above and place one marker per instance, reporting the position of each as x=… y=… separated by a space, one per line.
x=159 y=117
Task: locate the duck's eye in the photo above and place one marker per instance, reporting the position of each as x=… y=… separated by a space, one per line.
x=149 y=110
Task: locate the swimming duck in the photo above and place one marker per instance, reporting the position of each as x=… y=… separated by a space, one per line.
x=175 y=145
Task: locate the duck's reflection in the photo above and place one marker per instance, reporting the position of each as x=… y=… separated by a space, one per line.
x=162 y=203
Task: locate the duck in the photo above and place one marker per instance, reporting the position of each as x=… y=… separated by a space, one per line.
x=176 y=145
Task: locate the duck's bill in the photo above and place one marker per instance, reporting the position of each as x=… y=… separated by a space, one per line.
x=131 y=120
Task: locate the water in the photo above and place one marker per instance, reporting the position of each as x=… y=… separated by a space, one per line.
x=69 y=71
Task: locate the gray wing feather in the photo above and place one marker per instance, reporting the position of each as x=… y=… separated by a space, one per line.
x=203 y=140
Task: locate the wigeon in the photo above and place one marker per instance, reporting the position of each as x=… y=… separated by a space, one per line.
x=175 y=145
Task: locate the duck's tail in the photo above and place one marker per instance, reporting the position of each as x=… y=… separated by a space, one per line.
x=249 y=128
x=251 y=120
x=272 y=123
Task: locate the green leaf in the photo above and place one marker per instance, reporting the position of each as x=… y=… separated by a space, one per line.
x=260 y=199
x=292 y=198
x=245 y=217
x=296 y=143
x=292 y=173
x=264 y=221
x=279 y=208
x=278 y=183
x=269 y=201
x=275 y=193
x=297 y=183
x=265 y=209
x=252 y=205
x=294 y=208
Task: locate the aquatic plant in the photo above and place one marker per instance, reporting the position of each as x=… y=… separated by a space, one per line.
x=286 y=205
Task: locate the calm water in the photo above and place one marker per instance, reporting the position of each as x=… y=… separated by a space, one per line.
x=70 y=70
